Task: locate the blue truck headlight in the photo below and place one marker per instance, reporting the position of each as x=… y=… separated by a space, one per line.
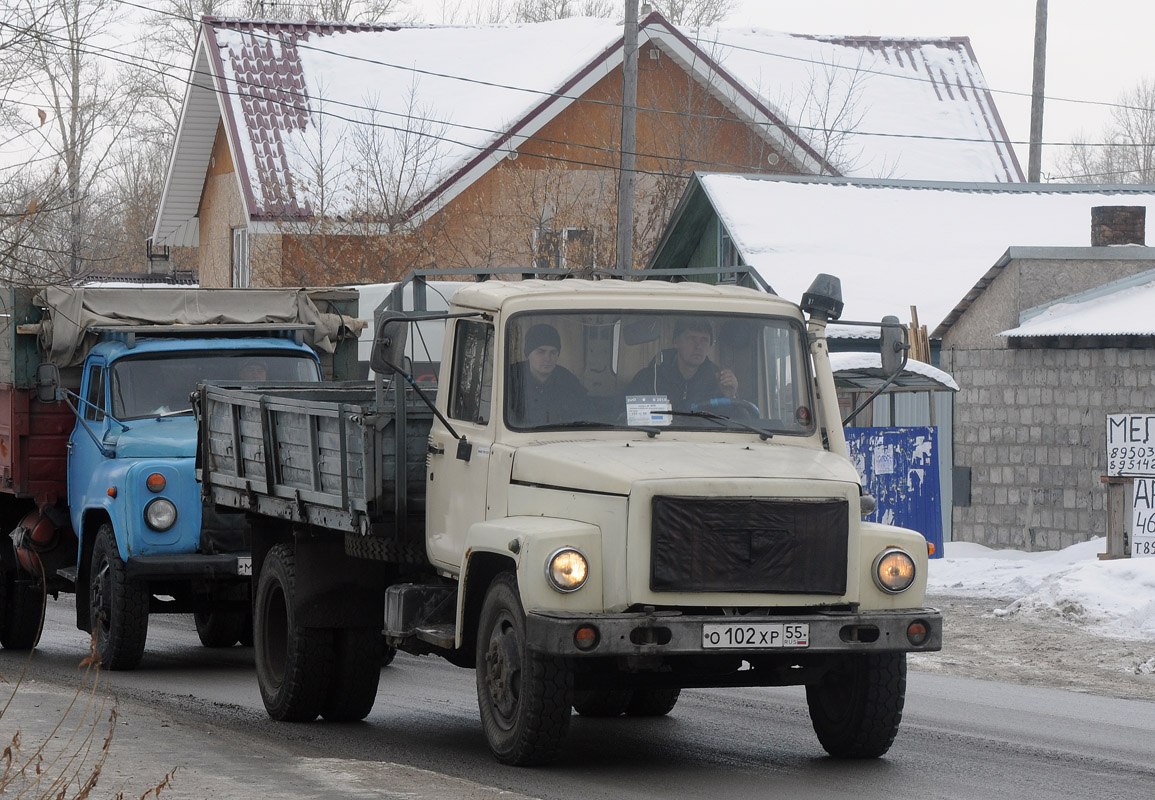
x=567 y=570
x=160 y=514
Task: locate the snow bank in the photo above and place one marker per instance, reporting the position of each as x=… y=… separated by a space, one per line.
x=1114 y=598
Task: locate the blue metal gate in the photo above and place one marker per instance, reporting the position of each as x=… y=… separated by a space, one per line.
x=899 y=466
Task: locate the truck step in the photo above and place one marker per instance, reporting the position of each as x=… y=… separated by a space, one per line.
x=439 y=635
x=68 y=573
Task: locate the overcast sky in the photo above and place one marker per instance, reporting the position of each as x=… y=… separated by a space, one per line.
x=1096 y=49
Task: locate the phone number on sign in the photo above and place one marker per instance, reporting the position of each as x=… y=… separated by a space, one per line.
x=1131 y=459
x=1143 y=547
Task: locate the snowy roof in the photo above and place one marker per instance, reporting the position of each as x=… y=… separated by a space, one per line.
x=864 y=371
x=300 y=102
x=1121 y=308
x=911 y=108
x=896 y=244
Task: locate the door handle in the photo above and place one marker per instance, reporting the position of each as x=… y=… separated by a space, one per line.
x=436 y=449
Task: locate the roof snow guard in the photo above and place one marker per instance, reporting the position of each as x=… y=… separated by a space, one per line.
x=260 y=67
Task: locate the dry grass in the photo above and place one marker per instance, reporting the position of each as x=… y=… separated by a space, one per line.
x=68 y=763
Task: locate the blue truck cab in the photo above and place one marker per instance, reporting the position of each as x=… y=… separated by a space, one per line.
x=146 y=542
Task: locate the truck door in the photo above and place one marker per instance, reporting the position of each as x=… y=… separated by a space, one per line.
x=457 y=481
x=84 y=454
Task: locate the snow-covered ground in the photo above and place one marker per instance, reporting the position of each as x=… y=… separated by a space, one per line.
x=1113 y=598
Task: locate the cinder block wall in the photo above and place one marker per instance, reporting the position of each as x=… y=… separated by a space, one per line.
x=1031 y=425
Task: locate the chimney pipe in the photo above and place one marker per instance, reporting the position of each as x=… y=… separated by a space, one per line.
x=1118 y=225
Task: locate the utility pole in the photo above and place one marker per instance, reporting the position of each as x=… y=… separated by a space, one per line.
x=629 y=139
x=1035 y=158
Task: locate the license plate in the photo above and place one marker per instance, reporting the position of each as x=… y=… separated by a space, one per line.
x=244 y=565
x=755 y=636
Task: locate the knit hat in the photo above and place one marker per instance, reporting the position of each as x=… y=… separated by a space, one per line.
x=539 y=336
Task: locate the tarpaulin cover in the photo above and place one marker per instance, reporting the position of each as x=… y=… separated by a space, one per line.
x=71 y=311
x=707 y=544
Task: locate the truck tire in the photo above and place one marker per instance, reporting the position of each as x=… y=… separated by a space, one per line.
x=356 y=674
x=524 y=697
x=601 y=702
x=857 y=707
x=219 y=628
x=653 y=702
x=119 y=607
x=293 y=662
x=21 y=612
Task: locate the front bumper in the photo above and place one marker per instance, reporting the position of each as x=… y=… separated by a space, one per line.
x=670 y=633
x=219 y=566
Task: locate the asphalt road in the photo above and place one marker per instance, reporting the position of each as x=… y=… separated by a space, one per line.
x=199 y=711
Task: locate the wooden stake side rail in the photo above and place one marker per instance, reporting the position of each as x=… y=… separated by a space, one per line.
x=321 y=454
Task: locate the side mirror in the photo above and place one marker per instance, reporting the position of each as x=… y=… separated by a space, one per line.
x=389 y=344
x=47 y=383
x=892 y=343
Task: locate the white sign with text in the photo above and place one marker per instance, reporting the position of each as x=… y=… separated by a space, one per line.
x=1143 y=520
x=1130 y=444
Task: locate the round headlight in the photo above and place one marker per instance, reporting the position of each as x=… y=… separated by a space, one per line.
x=567 y=570
x=160 y=514
x=894 y=570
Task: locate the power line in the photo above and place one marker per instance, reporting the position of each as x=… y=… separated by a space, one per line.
x=697 y=40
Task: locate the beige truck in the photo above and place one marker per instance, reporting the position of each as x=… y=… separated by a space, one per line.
x=676 y=510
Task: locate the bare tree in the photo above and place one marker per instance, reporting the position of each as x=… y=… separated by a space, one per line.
x=695 y=13
x=1125 y=150
x=827 y=109
x=546 y=10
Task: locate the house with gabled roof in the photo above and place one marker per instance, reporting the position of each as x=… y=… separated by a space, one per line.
x=1036 y=298
x=319 y=153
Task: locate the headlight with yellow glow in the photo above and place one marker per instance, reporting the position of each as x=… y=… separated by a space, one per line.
x=567 y=570
x=894 y=570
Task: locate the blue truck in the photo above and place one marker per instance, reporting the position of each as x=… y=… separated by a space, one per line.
x=98 y=444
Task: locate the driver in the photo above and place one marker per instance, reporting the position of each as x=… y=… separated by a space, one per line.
x=685 y=374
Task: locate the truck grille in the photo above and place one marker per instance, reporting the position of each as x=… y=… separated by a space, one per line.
x=708 y=544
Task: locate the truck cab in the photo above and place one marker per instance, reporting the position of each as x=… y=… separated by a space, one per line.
x=662 y=525
x=133 y=495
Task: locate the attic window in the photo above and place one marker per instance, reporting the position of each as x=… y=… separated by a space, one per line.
x=728 y=255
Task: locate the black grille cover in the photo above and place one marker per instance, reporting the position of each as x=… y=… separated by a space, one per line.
x=709 y=544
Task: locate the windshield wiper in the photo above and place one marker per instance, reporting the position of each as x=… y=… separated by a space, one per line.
x=763 y=434
x=180 y=412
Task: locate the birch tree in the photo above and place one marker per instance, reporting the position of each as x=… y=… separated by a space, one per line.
x=1124 y=152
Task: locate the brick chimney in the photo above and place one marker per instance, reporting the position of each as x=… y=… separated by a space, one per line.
x=1118 y=225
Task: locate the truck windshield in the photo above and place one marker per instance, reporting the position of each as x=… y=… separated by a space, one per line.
x=657 y=370
x=147 y=386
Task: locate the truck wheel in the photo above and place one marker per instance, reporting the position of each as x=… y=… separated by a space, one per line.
x=601 y=702
x=356 y=674
x=219 y=628
x=119 y=607
x=524 y=697
x=21 y=612
x=653 y=702
x=857 y=707
x=292 y=661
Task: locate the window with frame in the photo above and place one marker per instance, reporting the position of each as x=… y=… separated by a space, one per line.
x=94 y=398
x=241 y=272
x=728 y=255
x=568 y=248
x=471 y=393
